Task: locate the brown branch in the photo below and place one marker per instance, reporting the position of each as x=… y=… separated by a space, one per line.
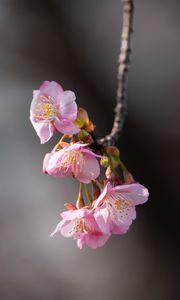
x=123 y=63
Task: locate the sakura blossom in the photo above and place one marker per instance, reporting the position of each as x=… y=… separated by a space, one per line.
x=114 y=210
x=82 y=227
x=74 y=160
x=105 y=204
x=53 y=109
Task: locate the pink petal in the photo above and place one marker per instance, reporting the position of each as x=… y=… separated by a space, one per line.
x=125 y=216
x=44 y=130
x=99 y=200
x=89 y=169
x=53 y=89
x=121 y=209
x=94 y=240
x=57 y=166
x=75 y=214
x=77 y=146
x=46 y=162
x=110 y=221
x=122 y=229
x=92 y=153
x=66 y=228
x=68 y=106
x=57 y=229
x=66 y=126
x=80 y=243
x=35 y=93
x=136 y=193
x=101 y=216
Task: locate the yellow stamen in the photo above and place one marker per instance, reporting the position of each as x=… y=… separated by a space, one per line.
x=72 y=160
x=45 y=110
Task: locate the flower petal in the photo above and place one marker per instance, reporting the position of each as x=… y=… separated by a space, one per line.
x=75 y=214
x=92 y=153
x=101 y=216
x=136 y=193
x=66 y=228
x=46 y=162
x=53 y=89
x=44 y=130
x=124 y=215
x=77 y=146
x=66 y=126
x=98 y=201
x=57 y=229
x=94 y=241
x=68 y=106
x=122 y=229
x=57 y=165
x=89 y=169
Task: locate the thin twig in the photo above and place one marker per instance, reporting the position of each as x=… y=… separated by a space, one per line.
x=123 y=63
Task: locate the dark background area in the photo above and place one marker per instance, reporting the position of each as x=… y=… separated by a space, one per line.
x=77 y=43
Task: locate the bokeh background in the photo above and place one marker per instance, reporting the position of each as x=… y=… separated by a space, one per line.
x=77 y=43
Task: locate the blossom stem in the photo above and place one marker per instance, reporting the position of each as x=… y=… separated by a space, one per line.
x=65 y=136
x=80 y=201
x=123 y=167
x=123 y=63
x=80 y=188
x=61 y=140
x=98 y=184
x=128 y=177
x=111 y=164
x=88 y=194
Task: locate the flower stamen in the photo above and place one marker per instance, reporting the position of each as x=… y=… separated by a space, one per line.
x=45 y=110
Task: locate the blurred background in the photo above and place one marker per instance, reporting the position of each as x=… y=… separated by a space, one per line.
x=77 y=44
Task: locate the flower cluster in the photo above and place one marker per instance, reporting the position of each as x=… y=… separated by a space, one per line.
x=110 y=202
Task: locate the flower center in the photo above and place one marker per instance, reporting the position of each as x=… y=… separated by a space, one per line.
x=82 y=226
x=79 y=226
x=45 y=110
x=121 y=205
x=117 y=203
x=73 y=161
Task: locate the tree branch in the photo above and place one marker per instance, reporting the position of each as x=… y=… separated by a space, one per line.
x=123 y=63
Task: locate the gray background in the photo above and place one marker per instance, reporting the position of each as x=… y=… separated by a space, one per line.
x=77 y=44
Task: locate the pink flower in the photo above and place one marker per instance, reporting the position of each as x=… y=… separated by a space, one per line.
x=114 y=210
x=53 y=109
x=73 y=160
x=81 y=225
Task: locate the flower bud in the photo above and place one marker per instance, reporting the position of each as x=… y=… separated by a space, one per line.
x=113 y=161
x=90 y=127
x=104 y=162
x=84 y=136
x=113 y=156
x=82 y=118
x=80 y=202
x=69 y=206
x=109 y=174
x=112 y=177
